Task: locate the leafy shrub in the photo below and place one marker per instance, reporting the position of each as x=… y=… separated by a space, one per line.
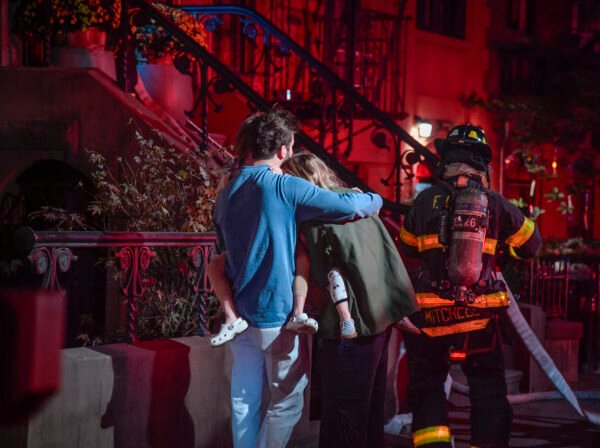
x=158 y=189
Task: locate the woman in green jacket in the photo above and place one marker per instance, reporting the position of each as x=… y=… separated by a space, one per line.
x=370 y=275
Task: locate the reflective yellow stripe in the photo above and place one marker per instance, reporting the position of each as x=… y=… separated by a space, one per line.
x=427 y=242
x=489 y=246
x=431 y=300
x=432 y=434
x=512 y=253
x=463 y=327
x=522 y=235
x=408 y=238
x=492 y=300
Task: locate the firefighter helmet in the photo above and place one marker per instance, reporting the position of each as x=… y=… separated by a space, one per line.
x=466 y=144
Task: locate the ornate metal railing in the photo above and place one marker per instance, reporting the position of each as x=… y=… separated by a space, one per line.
x=267 y=58
x=336 y=104
x=365 y=50
x=52 y=253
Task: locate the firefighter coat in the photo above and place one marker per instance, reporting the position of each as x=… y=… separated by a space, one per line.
x=508 y=229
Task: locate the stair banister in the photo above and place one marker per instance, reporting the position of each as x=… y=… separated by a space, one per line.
x=301 y=137
x=378 y=115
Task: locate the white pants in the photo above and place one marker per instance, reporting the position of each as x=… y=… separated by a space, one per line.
x=283 y=356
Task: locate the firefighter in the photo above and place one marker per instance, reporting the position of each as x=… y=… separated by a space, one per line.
x=456 y=229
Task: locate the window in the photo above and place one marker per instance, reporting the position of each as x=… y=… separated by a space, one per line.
x=520 y=15
x=585 y=17
x=445 y=17
x=523 y=72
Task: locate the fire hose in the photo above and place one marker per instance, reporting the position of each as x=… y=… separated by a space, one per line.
x=543 y=359
x=541 y=356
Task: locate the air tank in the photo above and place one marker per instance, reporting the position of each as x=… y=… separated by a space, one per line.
x=469 y=226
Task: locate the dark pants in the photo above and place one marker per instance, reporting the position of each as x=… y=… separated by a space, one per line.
x=353 y=374
x=428 y=364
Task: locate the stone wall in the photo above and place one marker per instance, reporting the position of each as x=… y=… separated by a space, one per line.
x=172 y=392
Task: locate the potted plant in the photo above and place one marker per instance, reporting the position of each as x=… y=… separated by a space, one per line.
x=156 y=45
x=81 y=22
x=163 y=65
x=78 y=30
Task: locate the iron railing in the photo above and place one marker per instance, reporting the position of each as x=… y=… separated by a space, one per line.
x=52 y=253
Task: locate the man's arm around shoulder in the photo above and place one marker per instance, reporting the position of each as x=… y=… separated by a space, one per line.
x=312 y=202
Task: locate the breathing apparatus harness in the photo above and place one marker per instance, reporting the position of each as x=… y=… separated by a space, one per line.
x=463 y=227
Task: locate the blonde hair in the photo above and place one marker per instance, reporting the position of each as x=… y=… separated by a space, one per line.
x=308 y=166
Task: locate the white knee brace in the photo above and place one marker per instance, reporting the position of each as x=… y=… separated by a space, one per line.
x=337 y=289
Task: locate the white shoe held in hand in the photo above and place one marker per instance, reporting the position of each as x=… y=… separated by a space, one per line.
x=301 y=323
x=228 y=332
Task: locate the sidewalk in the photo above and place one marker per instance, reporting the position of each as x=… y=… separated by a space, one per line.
x=549 y=424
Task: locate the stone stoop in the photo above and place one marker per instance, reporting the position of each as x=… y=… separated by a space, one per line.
x=560 y=338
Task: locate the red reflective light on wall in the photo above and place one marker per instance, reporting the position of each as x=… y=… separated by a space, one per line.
x=32 y=327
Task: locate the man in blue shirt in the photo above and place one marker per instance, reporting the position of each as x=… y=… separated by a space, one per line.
x=256 y=217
